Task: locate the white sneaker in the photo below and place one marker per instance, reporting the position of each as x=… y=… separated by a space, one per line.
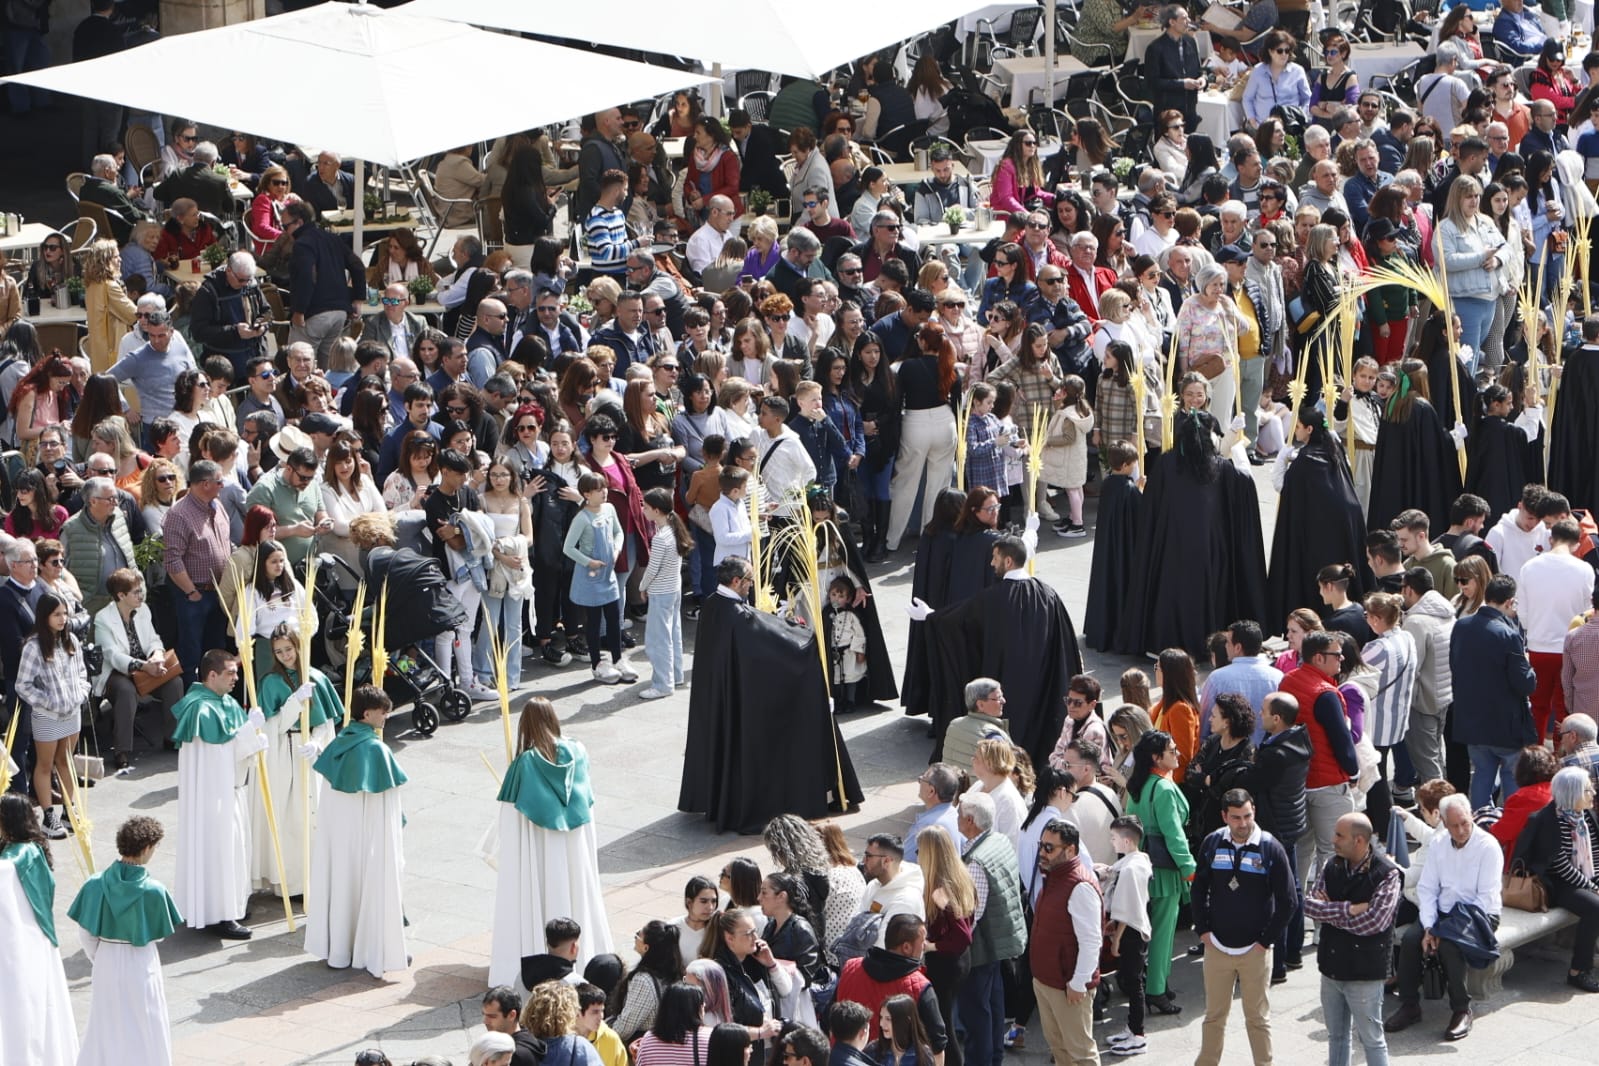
x=627 y=623
x=625 y=672
x=1136 y=1046
x=653 y=694
x=1122 y=1037
x=606 y=674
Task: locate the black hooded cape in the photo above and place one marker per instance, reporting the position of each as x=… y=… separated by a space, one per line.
x=1200 y=563
x=879 y=667
x=1574 y=444
x=971 y=568
x=1318 y=523
x=1442 y=384
x=1415 y=466
x=1110 y=574
x=1019 y=634
x=761 y=737
x=930 y=584
x=1497 y=466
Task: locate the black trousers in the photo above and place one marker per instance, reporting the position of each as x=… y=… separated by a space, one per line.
x=611 y=613
x=124 y=697
x=1454 y=969
x=947 y=973
x=1131 y=965
x=1585 y=905
x=552 y=602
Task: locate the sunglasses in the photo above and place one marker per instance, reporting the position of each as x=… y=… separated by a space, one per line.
x=811 y=205
x=528 y=427
x=1030 y=143
x=849 y=271
x=672 y=367
x=888 y=226
x=277 y=181
x=605 y=436
x=267 y=375
x=1282 y=51
x=392 y=301
x=1051 y=281
x=165 y=478
x=456 y=409
x=1038 y=225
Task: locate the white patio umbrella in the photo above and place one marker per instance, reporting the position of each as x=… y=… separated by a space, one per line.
x=803 y=39
x=382 y=86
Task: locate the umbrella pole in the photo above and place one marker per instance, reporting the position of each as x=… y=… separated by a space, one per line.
x=716 y=90
x=1051 y=8
x=358 y=201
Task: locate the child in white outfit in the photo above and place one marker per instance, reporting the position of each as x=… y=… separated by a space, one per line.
x=846 y=641
x=1125 y=886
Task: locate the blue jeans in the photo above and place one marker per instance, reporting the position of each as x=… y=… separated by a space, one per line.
x=980 y=1011
x=505 y=615
x=1358 y=1004
x=1476 y=315
x=26 y=50
x=663 y=640
x=1487 y=763
x=201 y=627
x=701 y=567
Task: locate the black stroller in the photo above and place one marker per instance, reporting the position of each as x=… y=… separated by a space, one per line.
x=421 y=607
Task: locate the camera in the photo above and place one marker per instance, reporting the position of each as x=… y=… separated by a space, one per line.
x=528 y=473
x=59 y=466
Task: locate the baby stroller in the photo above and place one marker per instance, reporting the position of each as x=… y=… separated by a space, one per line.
x=421 y=607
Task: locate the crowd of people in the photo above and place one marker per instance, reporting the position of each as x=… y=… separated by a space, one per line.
x=581 y=450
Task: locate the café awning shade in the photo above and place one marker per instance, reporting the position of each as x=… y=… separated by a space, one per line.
x=382 y=86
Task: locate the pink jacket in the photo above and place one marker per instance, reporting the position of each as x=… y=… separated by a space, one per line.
x=1006 y=195
x=264 y=220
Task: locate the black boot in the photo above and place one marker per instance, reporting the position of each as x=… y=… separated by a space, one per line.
x=878 y=551
x=867 y=517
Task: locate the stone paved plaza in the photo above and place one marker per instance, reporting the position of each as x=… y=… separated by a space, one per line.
x=266 y=1002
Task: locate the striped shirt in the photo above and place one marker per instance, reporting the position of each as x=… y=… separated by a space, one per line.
x=653 y=1051
x=663 y=575
x=197 y=540
x=605 y=236
x=1393 y=656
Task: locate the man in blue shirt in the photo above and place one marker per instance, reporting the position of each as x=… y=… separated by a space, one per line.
x=1246 y=673
x=936 y=788
x=1519 y=30
x=153 y=369
x=418 y=416
x=1368 y=178
x=897 y=332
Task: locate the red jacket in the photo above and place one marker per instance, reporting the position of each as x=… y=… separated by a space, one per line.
x=175 y=242
x=724 y=179
x=1053 y=256
x=1518 y=808
x=871 y=979
x=1305 y=685
x=1077 y=288
x=1052 y=947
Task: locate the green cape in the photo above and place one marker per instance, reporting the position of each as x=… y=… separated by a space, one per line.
x=203 y=715
x=551 y=795
x=274 y=692
x=122 y=902
x=38 y=881
x=359 y=761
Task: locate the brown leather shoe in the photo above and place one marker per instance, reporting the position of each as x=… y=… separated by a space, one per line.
x=1407 y=1015
x=1459 y=1025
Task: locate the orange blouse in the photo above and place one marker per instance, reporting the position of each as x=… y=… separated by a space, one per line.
x=1182 y=722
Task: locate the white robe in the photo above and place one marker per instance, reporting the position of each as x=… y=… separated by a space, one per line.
x=128 y=1023
x=544 y=874
x=214 y=783
x=36 y=1024
x=285 y=772
x=353 y=916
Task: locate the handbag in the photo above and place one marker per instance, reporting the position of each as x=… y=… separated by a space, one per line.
x=1523 y=890
x=700 y=516
x=1159 y=853
x=147 y=683
x=1433 y=980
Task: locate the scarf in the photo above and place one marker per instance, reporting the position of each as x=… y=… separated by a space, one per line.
x=705 y=162
x=1399 y=393
x=1581 y=842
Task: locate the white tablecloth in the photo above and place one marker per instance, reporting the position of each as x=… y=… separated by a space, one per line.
x=1219 y=116
x=28 y=238
x=1138 y=39
x=1385 y=59
x=1026 y=73
x=985 y=155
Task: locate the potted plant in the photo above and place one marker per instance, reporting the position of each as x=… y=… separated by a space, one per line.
x=955 y=218
x=75 y=289
x=760 y=201
x=373 y=203
x=421 y=288
x=214 y=254
x=1121 y=167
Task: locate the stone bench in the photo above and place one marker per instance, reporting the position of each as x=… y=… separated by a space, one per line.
x=1516 y=929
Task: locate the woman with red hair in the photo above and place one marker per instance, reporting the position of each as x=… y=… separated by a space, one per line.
x=928 y=392
x=260 y=524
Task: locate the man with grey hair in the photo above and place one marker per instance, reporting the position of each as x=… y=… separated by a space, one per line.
x=229 y=315
x=395 y=326
x=937 y=788
x=1171 y=64
x=883 y=244
x=517 y=292
x=999 y=931
x=984 y=720
x=798 y=262
x=328 y=187
x=705 y=244
x=19 y=600
x=1497 y=134
x=1578 y=740
x=1233 y=230
x=135 y=338
x=154 y=368
x=645 y=275
x=1322 y=193
x=1368 y=178
x=200 y=183
x=97 y=542
x=1085 y=280
x=1263 y=269
x=1463 y=868
x=100 y=187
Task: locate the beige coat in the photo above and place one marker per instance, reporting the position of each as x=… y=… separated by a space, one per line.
x=1065 y=465
x=111 y=314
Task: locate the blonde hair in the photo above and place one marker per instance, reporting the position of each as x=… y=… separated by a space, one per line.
x=140 y=228
x=1323 y=241
x=763 y=226
x=997 y=756
x=604 y=289
x=942 y=868
x=551 y=1010
x=1463 y=186
x=1113 y=301
x=98 y=262
x=148 y=494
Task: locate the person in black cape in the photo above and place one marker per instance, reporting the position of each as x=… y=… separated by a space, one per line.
x=1433 y=351
x=1574 y=443
x=1318 y=519
x=1497 y=451
x=1115 y=538
x=930 y=584
x=1200 y=562
x=1017 y=632
x=761 y=737
x=976 y=530
x=841 y=555
x=1415 y=464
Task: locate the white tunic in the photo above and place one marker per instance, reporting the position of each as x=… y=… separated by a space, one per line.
x=36 y=1025
x=214 y=786
x=128 y=1023
x=353 y=916
x=543 y=874
x=286 y=773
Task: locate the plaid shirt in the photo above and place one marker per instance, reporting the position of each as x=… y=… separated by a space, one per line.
x=1034 y=388
x=197 y=540
x=985 y=459
x=1579 y=667
x=55 y=686
x=1585 y=757
x=1117 y=411
x=1377 y=917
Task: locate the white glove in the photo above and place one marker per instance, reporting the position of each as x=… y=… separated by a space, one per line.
x=1032 y=524
x=918 y=610
x=1030 y=538
x=1237 y=424
x=259 y=743
x=309 y=750
x=1459 y=433
x=303 y=693
x=256 y=720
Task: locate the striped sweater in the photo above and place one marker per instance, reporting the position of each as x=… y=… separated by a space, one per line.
x=605 y=236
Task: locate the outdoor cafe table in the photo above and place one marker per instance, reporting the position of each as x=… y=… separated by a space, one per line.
x=1381 y=60
x=342 y=222
x=27 y=238
x=1023 y=74
x=938 y=233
